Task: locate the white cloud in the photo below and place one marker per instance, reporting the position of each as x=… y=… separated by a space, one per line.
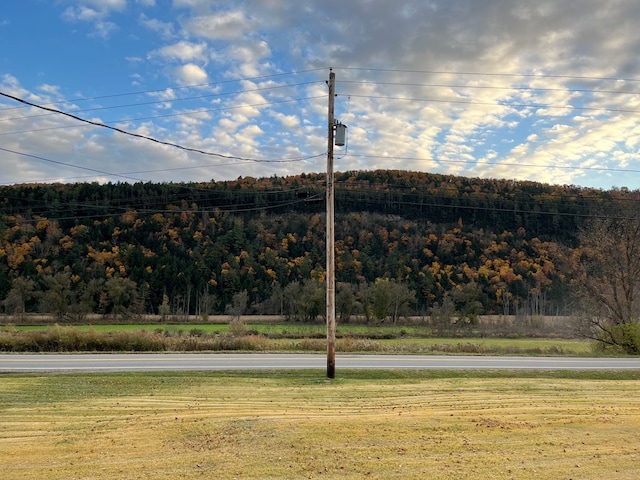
x=81 y=14
x=229 y=25
x=167 y=94
x=287 y=121
x=190 y=74
x=249 y=57
x=183 y=51
x=247 y=136
x=90 y=10
x=103 y=29
x=95 y=12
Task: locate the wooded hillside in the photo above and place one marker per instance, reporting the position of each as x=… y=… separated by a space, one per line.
x=472 y=245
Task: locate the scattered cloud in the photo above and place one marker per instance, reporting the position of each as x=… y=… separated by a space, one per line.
x=183 y=51
x=542 y=90
x=162 y=28
x=229 y=25
x=95 y=12
x=190 y=74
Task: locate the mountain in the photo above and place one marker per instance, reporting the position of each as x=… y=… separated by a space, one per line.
x=491 y=246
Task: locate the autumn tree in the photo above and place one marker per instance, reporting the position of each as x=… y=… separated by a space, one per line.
x=304 y=301
x=607 y=277
x=467 y=301
x=120 y=292
x=312 y=300
x=58 y=297
x=90 y=296
x=346 y=303
x=391 y=299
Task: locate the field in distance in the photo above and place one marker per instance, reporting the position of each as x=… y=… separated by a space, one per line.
x=275 y=337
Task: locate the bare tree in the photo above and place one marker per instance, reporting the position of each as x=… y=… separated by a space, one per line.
x=236 y=309
x=238 y=305
x=22 y=290
x=607 y=277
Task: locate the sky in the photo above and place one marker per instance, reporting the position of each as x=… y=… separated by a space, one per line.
x=200 y=90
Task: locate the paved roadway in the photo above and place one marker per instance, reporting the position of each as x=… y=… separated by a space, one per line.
x=198 y=361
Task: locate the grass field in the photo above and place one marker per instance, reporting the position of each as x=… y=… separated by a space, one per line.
x=297 y=424
x=287 y=337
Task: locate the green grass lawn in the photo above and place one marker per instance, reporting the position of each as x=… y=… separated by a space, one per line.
x=298 y=424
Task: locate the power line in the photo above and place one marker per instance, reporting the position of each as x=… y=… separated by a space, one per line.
x=36 y=157
x=67 y=211
x=495 y=164
x=491 y=74
x=487 y=87
x=128 y=177
x=156 y=102
x=311 y=70
x=453 y=101
x=502 y=209
x=168 y=115
x=435 y=202
x=494 y=104
x=160 y=90
x=151 y=139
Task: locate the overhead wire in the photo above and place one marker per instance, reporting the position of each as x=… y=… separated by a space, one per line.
x=494 y=104
x=176 y=87
x=487 y=87
x=56 y=162
x=490 y=74
x=349 y=95
x=137 y=204
x=169 y=115
x=520 y=195
x=127 y=175
x=494 y=164
x=433 y=201
x=500 y=209
x=171 y=100
x=151 y=139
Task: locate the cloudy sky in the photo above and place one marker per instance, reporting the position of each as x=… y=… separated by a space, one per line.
x=546 y=91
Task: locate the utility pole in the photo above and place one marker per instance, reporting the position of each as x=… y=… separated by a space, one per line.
x=331 y=275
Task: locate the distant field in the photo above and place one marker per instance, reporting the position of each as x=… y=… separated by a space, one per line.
x=374 y=424
x=351 y=338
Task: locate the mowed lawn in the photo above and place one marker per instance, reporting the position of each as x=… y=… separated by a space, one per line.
x=298 y=424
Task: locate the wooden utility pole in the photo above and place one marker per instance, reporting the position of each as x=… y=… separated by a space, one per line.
x=331 y=275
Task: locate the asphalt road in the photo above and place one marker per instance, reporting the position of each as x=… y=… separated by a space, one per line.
x=183 y=362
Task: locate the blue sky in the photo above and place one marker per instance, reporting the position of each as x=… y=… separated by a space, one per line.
x=545 y=91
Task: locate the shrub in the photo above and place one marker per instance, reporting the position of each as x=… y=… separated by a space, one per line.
x=237 y=328
x=622 y=338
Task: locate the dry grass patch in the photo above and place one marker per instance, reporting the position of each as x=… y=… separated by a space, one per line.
x=297 y=425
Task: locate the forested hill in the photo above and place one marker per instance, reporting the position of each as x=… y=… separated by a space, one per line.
x=192 y=247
